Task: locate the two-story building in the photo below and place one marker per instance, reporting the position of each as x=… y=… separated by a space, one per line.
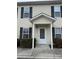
x=41 y=20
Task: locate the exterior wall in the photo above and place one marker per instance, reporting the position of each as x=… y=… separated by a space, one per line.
x=42 y=20
x=48 y=35
x=58 y=23
x=36 y=10
x=41 y=8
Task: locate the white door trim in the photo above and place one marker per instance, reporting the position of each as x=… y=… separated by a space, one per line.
x=42 y=41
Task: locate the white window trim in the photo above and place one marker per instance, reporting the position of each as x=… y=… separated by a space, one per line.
x=58 y=33
x=27 y=12
x=57 y=8
x=57 y=11
x=25 y=33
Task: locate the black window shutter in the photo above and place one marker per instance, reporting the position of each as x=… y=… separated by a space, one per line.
x=30 y=32
x=53 y=32
x=61 y=10
x=17 y=10
x=22 y=10
x=21 y=29
x=52 y=11
x=30 y=12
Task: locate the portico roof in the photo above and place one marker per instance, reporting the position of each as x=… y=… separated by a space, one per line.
x=44 y=15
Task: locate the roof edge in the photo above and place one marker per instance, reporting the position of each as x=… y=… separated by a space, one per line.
x=39 y=2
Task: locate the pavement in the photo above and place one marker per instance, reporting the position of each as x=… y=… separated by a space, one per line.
x=39 y=53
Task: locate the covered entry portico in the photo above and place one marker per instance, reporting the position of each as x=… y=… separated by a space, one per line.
x=42 y=29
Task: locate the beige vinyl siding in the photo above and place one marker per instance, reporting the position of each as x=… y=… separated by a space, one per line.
x=42 y=20
x=25 y=22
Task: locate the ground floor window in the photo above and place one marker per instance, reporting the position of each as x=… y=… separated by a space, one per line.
x=58 y=32
x=25 y=33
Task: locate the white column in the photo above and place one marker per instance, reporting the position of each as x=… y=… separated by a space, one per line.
x=51 y=37
x=33 y=37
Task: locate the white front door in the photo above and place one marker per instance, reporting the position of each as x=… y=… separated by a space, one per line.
x=42 y=38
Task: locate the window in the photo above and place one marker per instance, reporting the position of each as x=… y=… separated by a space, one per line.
x=58 y=32
x=57 y=11
x=25 y=33
x=42 y=33
x=26 y=12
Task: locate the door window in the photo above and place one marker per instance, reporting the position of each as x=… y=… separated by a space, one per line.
x=42 y=33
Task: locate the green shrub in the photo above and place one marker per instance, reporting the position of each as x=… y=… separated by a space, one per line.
x=27 y=43
x=57 y=43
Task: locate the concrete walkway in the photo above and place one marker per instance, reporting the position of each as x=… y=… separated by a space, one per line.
x=37 y=53
x=41 y=51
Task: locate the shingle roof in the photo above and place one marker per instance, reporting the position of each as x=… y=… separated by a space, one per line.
x=39 y=2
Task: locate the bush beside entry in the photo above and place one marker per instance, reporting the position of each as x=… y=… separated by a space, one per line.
x=27 y=43
x=57 y=43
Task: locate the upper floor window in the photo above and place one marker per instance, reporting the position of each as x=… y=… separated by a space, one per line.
x=57 y=11
x=26 y=12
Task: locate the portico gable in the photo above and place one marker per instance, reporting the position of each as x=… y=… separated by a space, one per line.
x=42 y=18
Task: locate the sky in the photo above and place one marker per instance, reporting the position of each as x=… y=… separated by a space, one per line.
x=30 y=0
